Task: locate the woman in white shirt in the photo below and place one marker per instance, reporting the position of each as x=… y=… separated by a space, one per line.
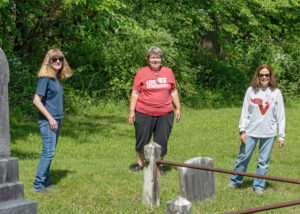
x=262 y=115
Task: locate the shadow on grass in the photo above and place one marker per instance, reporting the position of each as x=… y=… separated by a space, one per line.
x=165 y=167
x=22 y=131
x=74 y=127
x=248 y=182
x=169 y=167
x=94 y=124
x=58 y=174
x=24 y=155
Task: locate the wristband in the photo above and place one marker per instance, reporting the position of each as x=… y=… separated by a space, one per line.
x=242 y=132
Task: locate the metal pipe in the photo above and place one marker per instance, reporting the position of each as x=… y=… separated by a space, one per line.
x=287 y=180
x=264 y=208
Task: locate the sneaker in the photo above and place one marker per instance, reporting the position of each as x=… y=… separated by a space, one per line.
x=231 y=185
x=161 y=170
x=41 y=190
x=136 y=168
x=259 y=191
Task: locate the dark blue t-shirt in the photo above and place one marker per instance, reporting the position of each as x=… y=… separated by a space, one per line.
x=53 y=99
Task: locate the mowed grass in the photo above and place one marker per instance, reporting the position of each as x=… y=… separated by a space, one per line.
x=96 y=149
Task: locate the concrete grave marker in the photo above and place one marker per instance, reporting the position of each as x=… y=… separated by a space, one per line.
x=4 y=111
x=11 y=190
x=179 y=205
x=195 y=184
x=151 y=188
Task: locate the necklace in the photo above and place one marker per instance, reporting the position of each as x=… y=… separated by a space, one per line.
x=57 y=83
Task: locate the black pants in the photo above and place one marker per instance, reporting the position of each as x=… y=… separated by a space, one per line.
x=146 y=125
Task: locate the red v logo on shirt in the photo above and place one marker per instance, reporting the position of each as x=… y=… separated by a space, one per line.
x=262 y=108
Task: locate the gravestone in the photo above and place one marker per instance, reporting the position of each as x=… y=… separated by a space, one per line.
x=179 y=205
x=195 y=184
x=151 y=188
x=11 y=189
x=4 y=124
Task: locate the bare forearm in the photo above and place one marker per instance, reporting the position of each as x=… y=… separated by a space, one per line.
x=133 y=100
x=37 y=101
x=175 y=99
x=176 y=102
x=39 y=105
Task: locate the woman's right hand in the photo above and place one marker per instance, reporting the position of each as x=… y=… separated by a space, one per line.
x=131 y=117
x=53 y=124
x=243 y=138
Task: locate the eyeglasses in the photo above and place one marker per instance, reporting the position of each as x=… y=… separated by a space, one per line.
x=155 y=58
x=54 y=59
x=264 y=75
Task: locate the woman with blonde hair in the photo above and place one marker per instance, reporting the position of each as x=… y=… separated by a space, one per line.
x=48 y=99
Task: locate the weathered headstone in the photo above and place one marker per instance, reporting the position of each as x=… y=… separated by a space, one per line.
x=4 y=112
x=151 y=188
x=179 y=205
x=195 y=184
x=11 y=190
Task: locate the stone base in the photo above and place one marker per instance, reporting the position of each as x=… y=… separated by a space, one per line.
x=11 y=191
x=9 y=170
x=23 y=206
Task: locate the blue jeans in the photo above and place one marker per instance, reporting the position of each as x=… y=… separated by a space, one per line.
x=241 y=164
x=49 y=142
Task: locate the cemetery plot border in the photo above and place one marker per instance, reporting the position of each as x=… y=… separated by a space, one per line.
x=152 y=158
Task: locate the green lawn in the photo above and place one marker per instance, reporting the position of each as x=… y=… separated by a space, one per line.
x=96 y=149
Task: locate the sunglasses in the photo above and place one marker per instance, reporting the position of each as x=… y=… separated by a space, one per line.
x=54 y=59
x=264 y=75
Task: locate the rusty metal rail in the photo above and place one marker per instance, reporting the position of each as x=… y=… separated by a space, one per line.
x=287 y=180
x=250 y=210
x=264 y=208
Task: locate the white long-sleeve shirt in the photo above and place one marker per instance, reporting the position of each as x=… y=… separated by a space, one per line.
x=263 y=113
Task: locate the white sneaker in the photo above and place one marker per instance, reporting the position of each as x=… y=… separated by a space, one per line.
x=259 y=191
x=231 y=185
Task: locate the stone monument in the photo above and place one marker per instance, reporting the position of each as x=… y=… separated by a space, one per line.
x=179 y=205
x=11 y=189
x=151 y=188
x=197 y=185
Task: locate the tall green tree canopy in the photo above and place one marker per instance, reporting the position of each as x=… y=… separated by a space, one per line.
x=213 y=46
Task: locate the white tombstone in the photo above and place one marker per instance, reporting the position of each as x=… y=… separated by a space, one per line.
x=151 y=188
x=179 y=205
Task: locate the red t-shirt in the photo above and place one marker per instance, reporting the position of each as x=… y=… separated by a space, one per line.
x=154 y=91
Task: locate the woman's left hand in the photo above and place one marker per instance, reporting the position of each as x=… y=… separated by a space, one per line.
x=280 y=143
x=178 y=115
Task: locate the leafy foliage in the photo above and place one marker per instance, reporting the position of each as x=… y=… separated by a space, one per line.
x=213 y=46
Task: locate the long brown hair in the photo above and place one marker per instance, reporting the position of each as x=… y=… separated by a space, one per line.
x=255 y=81
x=47 y=71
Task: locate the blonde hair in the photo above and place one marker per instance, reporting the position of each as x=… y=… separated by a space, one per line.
x=154 y=50
x=47 y=71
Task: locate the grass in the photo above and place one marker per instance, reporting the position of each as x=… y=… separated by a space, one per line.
x=96 y=149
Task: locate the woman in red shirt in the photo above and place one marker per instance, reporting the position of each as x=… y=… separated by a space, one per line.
x=151 y=105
